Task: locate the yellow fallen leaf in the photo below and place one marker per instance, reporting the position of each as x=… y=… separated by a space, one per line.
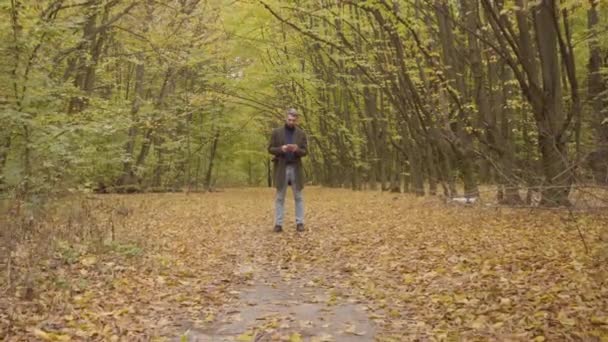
x=394 y=313
x=327 y=338
x=295 y=337
x=461 y=299
x=50 y=336
x=408 y=279
x=245 y=337
x=479 y=322
x=563 y=318
x=42 y=334
x=599 y=320
x=89 y=261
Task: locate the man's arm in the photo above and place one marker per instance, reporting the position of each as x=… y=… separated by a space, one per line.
x=272 y=146
x=303 y=149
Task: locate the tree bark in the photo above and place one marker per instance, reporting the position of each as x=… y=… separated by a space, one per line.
x=128 y=176
x=552 y=139
x=6 y=145
x=508 y=177
x=455 y=71
x=212 y=153
x=598 y=158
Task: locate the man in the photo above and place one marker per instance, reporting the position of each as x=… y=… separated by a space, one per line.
x=288 y=145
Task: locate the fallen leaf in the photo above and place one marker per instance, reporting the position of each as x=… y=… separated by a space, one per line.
x=89 y=261
x=295 y=337
x=50 y=336
x=323 y=338
x=563 y=318
x=245 y=337
x=209 y=318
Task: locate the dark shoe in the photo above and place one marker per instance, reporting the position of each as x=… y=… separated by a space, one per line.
x=300 y=227
x=277 y=229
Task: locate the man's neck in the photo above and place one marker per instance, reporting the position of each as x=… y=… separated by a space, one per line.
x=292 y=128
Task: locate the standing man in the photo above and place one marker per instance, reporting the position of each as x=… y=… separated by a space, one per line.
x=288 y=145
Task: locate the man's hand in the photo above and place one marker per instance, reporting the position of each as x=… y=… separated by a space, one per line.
x=289 y=148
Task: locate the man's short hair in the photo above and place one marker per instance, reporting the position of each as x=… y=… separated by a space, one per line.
x=292 y=112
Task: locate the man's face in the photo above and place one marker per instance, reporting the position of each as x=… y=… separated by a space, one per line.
x=291 y=120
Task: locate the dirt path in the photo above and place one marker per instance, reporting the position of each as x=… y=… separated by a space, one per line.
x=273 y=292
x=273 y=306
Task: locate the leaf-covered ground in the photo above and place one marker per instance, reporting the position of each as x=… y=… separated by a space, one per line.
x=421 y=269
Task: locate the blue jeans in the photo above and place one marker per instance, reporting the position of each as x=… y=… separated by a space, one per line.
x=290 y=175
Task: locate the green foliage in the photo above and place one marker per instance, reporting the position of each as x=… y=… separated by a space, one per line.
x=116 y=95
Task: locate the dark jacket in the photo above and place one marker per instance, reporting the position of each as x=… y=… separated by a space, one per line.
x=277 y=140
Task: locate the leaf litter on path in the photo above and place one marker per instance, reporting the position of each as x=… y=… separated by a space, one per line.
x=422 y=271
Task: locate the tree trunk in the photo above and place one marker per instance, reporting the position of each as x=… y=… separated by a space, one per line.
x=128 y=176
x=269 y=172
x=481 y=94
x=27 y=159
x=550 y=113
x=432 y=170
x=145 y=149
x=415 y=162
x=598 y=159
x=507 y=178
x=370 y=101
x=395 y=180
x=158 y=170
x=455 y=71
x=4 y=149
x=86 y=65
x=212 y=152
x=150 y=133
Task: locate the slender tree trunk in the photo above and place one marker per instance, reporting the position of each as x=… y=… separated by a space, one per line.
x=269 y=172
x=145 y=148
x=432 y=170
x=415 y=162
x=158 y=170
x=128 y=176
x=396 y=173
x=212 y=153
x=370 y=99
x=4 y=149
x=86 y=64
x=27 y=159
x=481 y=94
x=150 y=133
x=598 y=159
x=507 y=177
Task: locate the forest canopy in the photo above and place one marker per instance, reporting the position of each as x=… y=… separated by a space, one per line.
x=423 y=96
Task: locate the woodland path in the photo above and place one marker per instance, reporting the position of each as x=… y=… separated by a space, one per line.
x=371 y=266
x=274 y=307
x=280 y=298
